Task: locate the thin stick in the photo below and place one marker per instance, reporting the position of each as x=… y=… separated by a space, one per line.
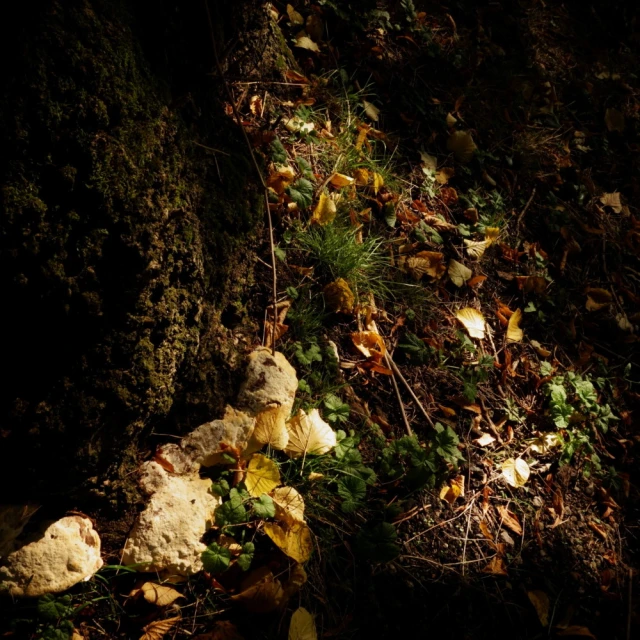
x=526 y=206
x=395 y=386
x=394 y=368
x=256 y=166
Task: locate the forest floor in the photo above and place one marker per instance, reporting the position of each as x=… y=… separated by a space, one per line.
x=457 y=238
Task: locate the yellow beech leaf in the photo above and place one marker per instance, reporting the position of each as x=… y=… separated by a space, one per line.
x=302 y=626
x=612 y=200
x=294 y=540
x=614 y=120
x=340 y=180
x=314 y=476
x=450 y=493
x=515 y=472
x=371 y=110
x=260 y=592
x=540 y=601
x=294 y=16
x=361 y=177
x=458 y=273
x=262 y=475
x=159 y=628
x=325 y=211
x=271 y=427
x=514 y=332
x=289 y=505
x=280 y=178
x=509 y=519
x=461 y=144
x=491 y=234
x=157 y=594
x=338 y=296
x=309 y=434
x=476 y=248
x=369 y=343
x=473 y=322
x=378 y=182
x=305 y=42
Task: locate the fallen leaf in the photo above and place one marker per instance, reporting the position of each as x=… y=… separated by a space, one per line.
x=544 y=353
x=426 y=263
x=509 y=519
x=338 y=296
x=484 y=440
x=575 y=630
x=262 y=475
x=445 y=174
x=314 y=26
x=612 y=200
x=309 y=434
x=280 y=178
x=157 y=594
x=296 y=76
x=614 y=120
x=294 y=540
x=294 y=16
x=271 y=427
x=473 y=322
x=297 y=579
x=514 y=332
x=289 y=505
x=255 y=105
x=544 y=443
x=157 y=629
x=370 y=344
x=361 y=177
x=451 y=120
x=599 y=529
x=260 y=592
x=491 y=234
x=477 y=281
x=540 y=601
x=314 y=476
x=476 y=248
x=597 y=299
x=458 y=273
x=528 y=284
x=371 y=110
x=222 y=630
x=305 y=42
x=339 y=180
x=302 y=626
x=325 y=211
x=496 y=567
x=378 y=182
x=298 y=125
x=515 y=472
x=486 y=532
x=451 y=492
x=461 y=144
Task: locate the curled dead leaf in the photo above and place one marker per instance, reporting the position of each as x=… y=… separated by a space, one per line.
x=338 y=296
x=305 y=42
x=428 y=263
x=451 y=492
x=515 y=472
x=260 y=592
x=370 y=344
x=509 y=519
x=473 y=321
x=339 y=180
x=476 y=248
x=597 y=299
x=514 y=332
x=158 y=594
x=158 y=628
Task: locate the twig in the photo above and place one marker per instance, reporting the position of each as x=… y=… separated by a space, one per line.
x=395 y=386
x=526 y=206
x=394 y=368
x=238 y=120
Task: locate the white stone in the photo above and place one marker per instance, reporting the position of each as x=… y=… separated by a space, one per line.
x=167 y=535
x=59 y=556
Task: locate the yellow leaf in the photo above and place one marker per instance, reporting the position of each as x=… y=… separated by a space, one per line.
x=540 y=601
x=369 y=343
x=339 y=297
x=491 y=234
x=309 y=434
x=260 y=592
x=461 y=144
x=294 y=16
x=445 y=174
x=612 y=200
x=361 y=176
x=429 y=163
x=157 y=594
x=614 y=120
x=305 y=42
x=325 y=211
x=378 y=182
x=157 y=629
x=297 y=578
x=339 y=180
x=473 y=322
x=314 y=476
x=515 y=472
x=509 y=519
x=280 y=178
x=451 y=120
x=514 y=332
x=302 y=626
x=262 y=475
x=450 y=493
x=458 y=273
x=271 y=427
x=289 y=505
x=476 y=248
x=544 y=353
x=543 y=444
x=294 y=540
x=371 y=110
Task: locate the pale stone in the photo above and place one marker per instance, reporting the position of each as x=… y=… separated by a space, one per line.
x=167 y=536
x=59 y=556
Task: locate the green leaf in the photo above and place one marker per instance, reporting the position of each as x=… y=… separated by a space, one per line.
x=546 y=368
x=264 y=507
x=378 y=543
x=52 y=608
x=415 y=350
x=278 y=152
x=352 y=490
x=232 y=511
x=216 y=558
x=530 y=308
x=280 y=253
x=337 y=411
x=312 y=354
x=446 y=442
x=305 y=168
x=303 y=386
x=246 y=557
x=292 y=292
x=301 y=192
x=220 y=488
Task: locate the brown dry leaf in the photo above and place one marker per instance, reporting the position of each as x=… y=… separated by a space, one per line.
x=486 y=532
x=370 y=344
x=509 y=519
x=614 y=120
x=325 y=211
x=262 y=475
x=338 y=296
x=484 y=440
x=597 y=299
x=496 y=567
x=575 y=630
x=222 y=630
x=281 y=329
x=378 y=182
x=371 y=110
x=297 y=579
x=309 y=434
x=514 y=332
x=599 y=529
x=289 y=505
x=425 y=263
x=542 y=352
x=339 y=180
x=451 y=120
x=528 y=284
x=302 y=626
x=314 y=27
x=445 y=174
x=157 y=594
x=540 y=601
x=271 y=427
x=255 y=105
x=473 y=322
x=260 y=592
x=476 y=248
x=294 y=16
x=458 y=273
x=305 y=42
x=612 y=200
x=451 y=492
x=361 y=176
x=157 y=629
x=294 y=540
x=515 y=472
x=477 y=281
x=461 y=144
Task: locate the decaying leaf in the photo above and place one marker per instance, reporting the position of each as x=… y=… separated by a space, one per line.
x=378 y=182
x=158 y=628
x=574 y=630
x=305 y=42
x=612 y=200
x=458 y=273
x=158 y=594
x=361 y=176
x=509 y=519
x=371 y=110
x=542 y=352
x=222 y=630
x=473 y=322
x=289 y=505
x=271 y=428
x=540 y=601
x=496 y=566
x=338 y=296
x=451 y=120
x=597 y=299
x=614 y=120
x=280 y=178
x=461 y=144
x=260 y=592
x=297 y=579
x=294 y=540
x=528 y=284
x=515 y=472
x=514 y=332
x=314 y=26
x=484 y=440
x=302 y=626
x=451 y=492
x=428 y=263
x=339 y=180
x=325 y=211
x=309 y=434
x=262 y=475
x=491 y=234
x=476 y=248
x=294 y=16
x=369 y=343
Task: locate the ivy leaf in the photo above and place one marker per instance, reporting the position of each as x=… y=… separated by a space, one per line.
x=216 y=558
x=246 y=557
x=352 y=490
x=378 y=543
x=301 y=192
x=337 y=411
x=264 y=507
x=232 y=511
x=52 y=608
